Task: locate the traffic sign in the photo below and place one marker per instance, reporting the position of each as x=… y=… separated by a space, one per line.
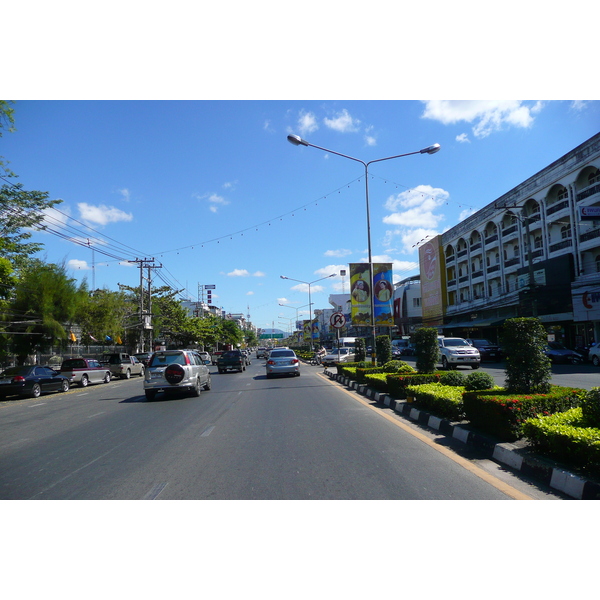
x=337 y=320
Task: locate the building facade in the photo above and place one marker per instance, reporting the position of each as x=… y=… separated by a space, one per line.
x=535 y=251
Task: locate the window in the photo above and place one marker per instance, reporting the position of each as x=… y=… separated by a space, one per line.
x=565 y=232
x=594 y=177
x=563 y=194
x=537 y=242
x=516 y=250
x=416 y=302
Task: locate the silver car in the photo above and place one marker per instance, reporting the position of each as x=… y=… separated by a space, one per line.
x=339 y=355
x=282 y=362
x=172 y=371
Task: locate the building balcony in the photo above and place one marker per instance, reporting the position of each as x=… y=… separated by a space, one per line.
x=492 y=268
x=589 y=191
x=563 y=245
x=491 y=241
x=557 y=208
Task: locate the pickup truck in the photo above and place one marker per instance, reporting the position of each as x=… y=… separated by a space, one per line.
x=231 y=360
x=123 y=365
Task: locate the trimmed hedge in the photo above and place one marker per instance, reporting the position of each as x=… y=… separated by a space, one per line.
x=377 y=381
x=566 y=437
x=442 y=400
x=398 y=382
x=502 y=413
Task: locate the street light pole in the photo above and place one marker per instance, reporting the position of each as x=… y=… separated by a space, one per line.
x=296 y=140
x=309 y=297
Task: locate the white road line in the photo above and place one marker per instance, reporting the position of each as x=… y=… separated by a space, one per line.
x=207 y=431
x=155 y=491
x=40 y=404
x=100 y=413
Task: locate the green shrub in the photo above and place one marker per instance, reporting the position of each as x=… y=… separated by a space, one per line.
x=377 y=381
x=590 y=405
x=502 y=413
x=362 y=372
x=528 y=369
x=441 y=400
x=360 y=351
x=398 y=366
x=426 y=349
x=479 y=381
x=566 y=437
x=452 y=378
x=383 y=347
x=397 y=382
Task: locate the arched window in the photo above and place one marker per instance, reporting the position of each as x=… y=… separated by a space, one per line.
x=565 y=232
x=563 y=193
x=516 y=249
x=537 y=243
x=594 y=177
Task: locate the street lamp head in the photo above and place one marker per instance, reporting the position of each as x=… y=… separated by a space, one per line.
x=283 y=277
x=296 y=140
x=431 y=149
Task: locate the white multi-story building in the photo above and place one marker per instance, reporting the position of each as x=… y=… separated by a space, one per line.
x=546 y=231
x=407 y=305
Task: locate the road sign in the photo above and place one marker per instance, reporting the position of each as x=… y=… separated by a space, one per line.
x=337 y=320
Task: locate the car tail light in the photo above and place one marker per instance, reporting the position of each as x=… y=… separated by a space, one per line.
x=18 y=379
x=174 y=373
x=187 y=359
x=270 y=362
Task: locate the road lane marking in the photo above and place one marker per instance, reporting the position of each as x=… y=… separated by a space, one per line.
x=463 y=462
x=207 y=431
x=97 y=414
x=155 y=491
x=40 y=404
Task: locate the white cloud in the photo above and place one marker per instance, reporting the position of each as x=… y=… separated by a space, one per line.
x=102 y=214
x=338 y=253
x=249 y=293
x=238 y=273
x=307 y=123
x=330 y=269
x=463 y=138
x=126 y=195
x=419 y=204
x=343 y=122
x=282 y=300
x=258 y=274
x=81 y=265
x=487 y=116
x=467 y=212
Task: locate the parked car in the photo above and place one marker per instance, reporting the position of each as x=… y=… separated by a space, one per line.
x=123 y=365
x=594 y=355
x=282 y=361
x=84 y=371
x=487 y=350
x=31 y=381
x=205 y=356
x=180 y=371
x=261 y=352
x=143 y=357
x=215 y=356
x=338 y=355
x=455 y=351
x=558 y=353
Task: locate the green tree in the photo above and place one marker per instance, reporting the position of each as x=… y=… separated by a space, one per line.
x=384 y=349
x=426 y=349
x=103 y=312
x=46 y=301
x=231 y=333
x=528 y=369
x=360 y=350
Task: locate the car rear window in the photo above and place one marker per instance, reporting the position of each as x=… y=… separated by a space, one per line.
x=276 y=353
x=159 y=359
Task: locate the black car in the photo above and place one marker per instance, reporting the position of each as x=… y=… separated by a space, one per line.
x=31 y=381
x=487 y=350
x=557 y=353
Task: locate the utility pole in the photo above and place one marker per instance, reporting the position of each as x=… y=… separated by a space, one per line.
x=145 y=316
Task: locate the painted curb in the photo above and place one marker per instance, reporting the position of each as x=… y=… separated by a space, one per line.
x=532 y=466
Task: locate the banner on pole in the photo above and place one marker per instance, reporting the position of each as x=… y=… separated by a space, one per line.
x=360 y=293
x=383 y=291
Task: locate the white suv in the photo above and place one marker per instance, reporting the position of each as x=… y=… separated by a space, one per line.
x=457 y=351
x=176 y=371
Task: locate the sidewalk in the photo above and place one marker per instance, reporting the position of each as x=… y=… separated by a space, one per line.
x=517 y=456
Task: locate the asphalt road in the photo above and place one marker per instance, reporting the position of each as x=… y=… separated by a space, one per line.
x=248 y=438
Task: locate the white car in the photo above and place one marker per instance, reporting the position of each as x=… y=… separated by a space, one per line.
x=457 y=351
x=594 y=355
x=339 y=355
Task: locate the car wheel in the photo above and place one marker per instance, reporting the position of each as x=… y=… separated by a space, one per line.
x=127 y=374
x=84 y=381
x=208 y=384
x=221 y=371
x=106 y=378
x=36 y=390
x=150 y=394
x=445 y=364
x=474 y=367
x=196 y=389
x=142 y=372
x=595 y=360
x=64 y=386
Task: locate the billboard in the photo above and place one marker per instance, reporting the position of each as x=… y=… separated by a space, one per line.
x=433 y=282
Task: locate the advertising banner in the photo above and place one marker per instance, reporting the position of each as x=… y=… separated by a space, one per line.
x=316 y=332
x=307 y=329
x=433 y=282
x=384 y=294
x=360 y=293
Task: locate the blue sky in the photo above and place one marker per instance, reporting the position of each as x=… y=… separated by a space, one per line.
x=214 y=192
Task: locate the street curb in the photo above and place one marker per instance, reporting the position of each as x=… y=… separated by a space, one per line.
x=508 y=454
